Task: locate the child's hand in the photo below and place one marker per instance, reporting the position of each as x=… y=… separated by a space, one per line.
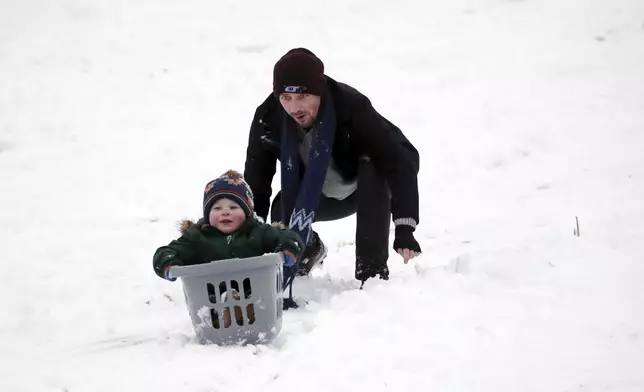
x=289 y=258
x=167 y=275
x=293 y=244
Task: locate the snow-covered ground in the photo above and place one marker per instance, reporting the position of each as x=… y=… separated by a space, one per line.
x=527 y=114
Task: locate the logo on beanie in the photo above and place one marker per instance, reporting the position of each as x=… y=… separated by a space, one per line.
x=295 y=89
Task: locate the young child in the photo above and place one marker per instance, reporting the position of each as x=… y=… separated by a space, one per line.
x=229 y=229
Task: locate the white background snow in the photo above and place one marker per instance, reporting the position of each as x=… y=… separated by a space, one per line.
x=527 y=114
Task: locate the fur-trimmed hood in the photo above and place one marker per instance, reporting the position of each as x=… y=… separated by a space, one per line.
x=185 y=224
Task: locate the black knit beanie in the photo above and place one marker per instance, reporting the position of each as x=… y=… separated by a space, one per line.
x=299 y=71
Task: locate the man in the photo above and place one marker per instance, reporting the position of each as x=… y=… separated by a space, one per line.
x=338 y=156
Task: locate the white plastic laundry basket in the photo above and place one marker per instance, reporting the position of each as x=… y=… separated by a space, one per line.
x=234 y=301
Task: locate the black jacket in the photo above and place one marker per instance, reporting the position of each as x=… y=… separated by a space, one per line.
x=361 y=130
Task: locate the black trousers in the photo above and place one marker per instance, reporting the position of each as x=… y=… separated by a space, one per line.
x=372 y=206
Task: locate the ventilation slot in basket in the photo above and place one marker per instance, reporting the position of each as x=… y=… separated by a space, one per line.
x=279 y=302
x=212 y=297
x=250 y=312
x=215 y=318
x=248 y=290
x=232 y=297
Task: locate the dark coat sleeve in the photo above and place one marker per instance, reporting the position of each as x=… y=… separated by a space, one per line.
x=276 y=239
x=178 y=252
x=385 y=145
x=260 y=166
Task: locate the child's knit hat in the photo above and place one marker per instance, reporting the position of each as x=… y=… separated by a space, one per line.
x=230 y=185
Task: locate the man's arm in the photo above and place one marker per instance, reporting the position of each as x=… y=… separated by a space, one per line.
x=259 y=167
x=399 y=165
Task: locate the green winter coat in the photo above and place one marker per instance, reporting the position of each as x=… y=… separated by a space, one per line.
x=200 y=244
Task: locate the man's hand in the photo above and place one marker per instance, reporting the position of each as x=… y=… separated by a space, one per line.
x=407 y=254
x=405 y=243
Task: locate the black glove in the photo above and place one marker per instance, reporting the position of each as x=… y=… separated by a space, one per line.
x=168 y=260
x=405 y=239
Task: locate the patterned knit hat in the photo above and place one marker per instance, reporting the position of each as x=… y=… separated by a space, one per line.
x=299 y=71
x=230 y=185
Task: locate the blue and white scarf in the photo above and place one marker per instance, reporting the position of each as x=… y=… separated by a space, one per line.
x=301 y=195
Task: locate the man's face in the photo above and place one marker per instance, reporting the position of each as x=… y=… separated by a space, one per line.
x=302 y=107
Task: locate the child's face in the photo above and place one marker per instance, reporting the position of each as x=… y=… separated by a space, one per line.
x=226 y=215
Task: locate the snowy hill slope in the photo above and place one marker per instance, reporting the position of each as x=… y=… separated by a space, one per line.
x=527 y=114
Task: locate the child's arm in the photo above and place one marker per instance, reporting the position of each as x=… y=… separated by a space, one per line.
x=281 y=239
x=177 y=252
